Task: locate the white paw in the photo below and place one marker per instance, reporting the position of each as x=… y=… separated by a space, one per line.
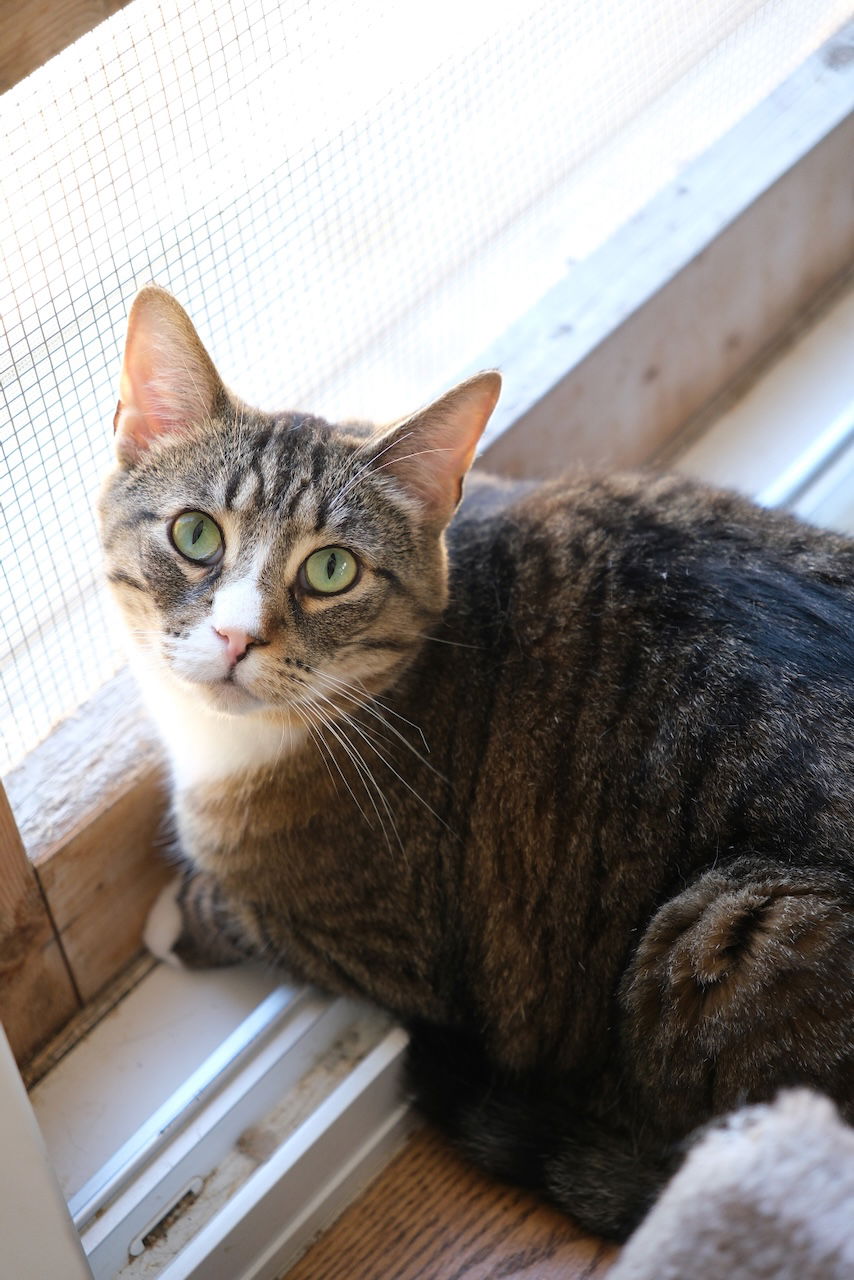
x=163 y=926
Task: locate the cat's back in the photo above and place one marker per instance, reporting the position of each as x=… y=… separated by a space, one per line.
x=672 y=663
x=635 y=679
x=659 y=553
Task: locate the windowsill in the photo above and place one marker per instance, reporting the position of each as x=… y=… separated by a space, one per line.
x=807 y=393
x=107 y=745
x=134 y=1059
x=591 y=376
x=90 y=806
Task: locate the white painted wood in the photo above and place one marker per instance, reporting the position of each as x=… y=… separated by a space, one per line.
x=645 y=332
x=830 y=500
x=197 y=1140
x=293 y=1010
x=789 y=424
x=37 y=1237
x=101 y=1092
x=308 y=1180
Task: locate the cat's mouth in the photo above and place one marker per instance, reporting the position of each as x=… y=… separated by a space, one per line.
x=229 y=696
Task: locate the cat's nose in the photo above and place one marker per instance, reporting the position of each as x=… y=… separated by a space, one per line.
x=238 y=642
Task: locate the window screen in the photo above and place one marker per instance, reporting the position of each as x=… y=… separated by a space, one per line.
x=352 y=198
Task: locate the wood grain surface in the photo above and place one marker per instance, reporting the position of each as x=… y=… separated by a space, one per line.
x=100 y=882
x=432 y=1216
x=34 y=30
x=37 y=994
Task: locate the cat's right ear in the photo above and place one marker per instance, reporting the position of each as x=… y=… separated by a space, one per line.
x=168 y=381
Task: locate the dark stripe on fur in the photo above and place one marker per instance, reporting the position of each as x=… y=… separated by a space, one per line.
x=126 y=580
x=139 y=517
x=296 y=496
x=261 y=441
x=234 y=482
x=113 y=535
x=393 y=645
x=388 y=575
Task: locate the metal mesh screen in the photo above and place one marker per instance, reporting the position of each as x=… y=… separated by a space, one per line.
x=352 y=198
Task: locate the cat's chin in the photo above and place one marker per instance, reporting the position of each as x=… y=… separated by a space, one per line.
x=229 y=698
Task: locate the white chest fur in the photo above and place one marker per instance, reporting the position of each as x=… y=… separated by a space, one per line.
x=205 y=746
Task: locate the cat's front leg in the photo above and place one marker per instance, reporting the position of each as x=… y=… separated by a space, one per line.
x=193 y=925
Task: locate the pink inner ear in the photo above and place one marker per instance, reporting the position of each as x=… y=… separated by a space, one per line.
x=432 y=451
x=168 y=382
x=434 y=459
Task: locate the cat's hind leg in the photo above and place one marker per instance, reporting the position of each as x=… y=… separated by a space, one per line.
x=742 y=983
x=193 y=925
x=535 y=1133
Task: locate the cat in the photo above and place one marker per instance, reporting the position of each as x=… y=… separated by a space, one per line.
x=560 y=774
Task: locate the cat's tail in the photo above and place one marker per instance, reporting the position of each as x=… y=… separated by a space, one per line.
x=602 y=1174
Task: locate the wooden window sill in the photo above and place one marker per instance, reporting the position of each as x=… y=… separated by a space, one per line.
x=90 y=806
x=32 y=32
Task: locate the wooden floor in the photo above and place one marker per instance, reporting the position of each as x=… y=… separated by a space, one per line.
x=430 y=1216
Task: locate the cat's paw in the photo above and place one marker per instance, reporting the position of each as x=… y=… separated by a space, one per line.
x=164 y=924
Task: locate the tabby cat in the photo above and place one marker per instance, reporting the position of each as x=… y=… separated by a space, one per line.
x=562 y=776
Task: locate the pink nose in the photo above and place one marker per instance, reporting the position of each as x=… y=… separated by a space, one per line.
x=237 y=643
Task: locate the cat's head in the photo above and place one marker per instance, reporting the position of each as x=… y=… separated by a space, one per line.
x=274 y=563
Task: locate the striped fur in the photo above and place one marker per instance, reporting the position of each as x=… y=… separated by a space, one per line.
x=572 y=797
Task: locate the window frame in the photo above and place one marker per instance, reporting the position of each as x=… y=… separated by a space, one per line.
x=633 y=349
x=594 y=374
x=38 y=1236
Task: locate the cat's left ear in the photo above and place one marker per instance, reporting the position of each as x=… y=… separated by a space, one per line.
x=168 y=381
x=431 y=452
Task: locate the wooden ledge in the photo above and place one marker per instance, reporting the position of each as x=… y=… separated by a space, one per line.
x=432 y=1216
x=90 y=804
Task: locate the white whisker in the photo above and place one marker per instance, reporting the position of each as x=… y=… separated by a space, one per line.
x=358 y=763
x=419 y=453
x=322 y=749
x=359 y=729
x=457 y=644
x=310 y=708
x=366 y=466
x=372 y=705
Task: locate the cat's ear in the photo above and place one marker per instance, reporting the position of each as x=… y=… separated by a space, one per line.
x=168 y=381
x=431 y=452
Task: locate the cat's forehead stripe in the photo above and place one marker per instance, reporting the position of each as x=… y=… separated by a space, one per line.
x=295 y=468
x=247 y=493
x=254 y=474
x=271 y=467
x=303 y=503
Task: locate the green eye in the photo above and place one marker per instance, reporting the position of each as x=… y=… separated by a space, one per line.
x=197 y=537
x=330 y=570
